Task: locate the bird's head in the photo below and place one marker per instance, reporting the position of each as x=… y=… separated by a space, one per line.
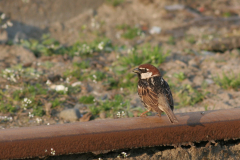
x=146 y=71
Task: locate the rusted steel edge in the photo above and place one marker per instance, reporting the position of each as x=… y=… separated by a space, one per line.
x=113 y=134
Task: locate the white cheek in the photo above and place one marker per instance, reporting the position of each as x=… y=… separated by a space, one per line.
x=146 y=75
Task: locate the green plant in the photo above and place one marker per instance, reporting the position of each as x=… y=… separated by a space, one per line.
x=149 y=54
x=98 y=76
x=82 y=65
x=180 y=76
x=128 y=31
x=46 y=46
x=190 y=96
x=114 y=3
x=228 y=81
x=191 y=39
x=7 y=107
x=87 y=49
x=56 y=102
x=131 y=33
x=38 y=111
x=87 y=99
x=171 y=40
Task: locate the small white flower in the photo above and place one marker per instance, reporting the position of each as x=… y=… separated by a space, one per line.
x=48 y=82
x=9 y=23
x=53 y=151
x=61 y=88
x=30 y=115
x=39 y=120
x=101 y=45
x=3 y=16
x=94 y=76
x=67 y=80
x=124 y=154
x=118 y=114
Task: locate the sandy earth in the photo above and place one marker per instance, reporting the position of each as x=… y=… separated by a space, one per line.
x=213 y=50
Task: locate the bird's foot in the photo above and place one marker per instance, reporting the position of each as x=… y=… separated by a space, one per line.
x=144 y=114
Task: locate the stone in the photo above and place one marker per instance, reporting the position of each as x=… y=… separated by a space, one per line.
x=225 y=96
x=198 y=80
x=12 y=55
x=3 y=36
x=70 y=114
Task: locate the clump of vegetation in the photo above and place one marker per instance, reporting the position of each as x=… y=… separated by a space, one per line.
x=190 y=96
x=113 y=107
x=148 y=54
x=48 y=46
x=171 y=40
x=114 y=3
x=87 y=49
x=180 y=76
x=17 y=72
x=129 y=32
x=228 y=81
x=87 y=99
x=191 y=39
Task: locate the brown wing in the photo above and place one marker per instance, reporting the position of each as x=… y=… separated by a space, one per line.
x=168 y=94
x=163 y=104
x=149 y=98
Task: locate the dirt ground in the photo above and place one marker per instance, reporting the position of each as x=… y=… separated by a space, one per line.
x=219 y=150
x=202 y=39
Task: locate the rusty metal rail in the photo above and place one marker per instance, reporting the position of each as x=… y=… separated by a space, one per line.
x=115 y=134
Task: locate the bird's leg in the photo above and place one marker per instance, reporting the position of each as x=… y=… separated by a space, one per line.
x=144 y=113
x=159 y=113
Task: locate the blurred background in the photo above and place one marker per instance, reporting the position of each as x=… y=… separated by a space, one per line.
x=65 y=61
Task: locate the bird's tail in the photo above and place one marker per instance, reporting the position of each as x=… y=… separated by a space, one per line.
x=171 y=116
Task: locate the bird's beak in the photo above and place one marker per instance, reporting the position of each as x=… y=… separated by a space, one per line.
x=136 y=70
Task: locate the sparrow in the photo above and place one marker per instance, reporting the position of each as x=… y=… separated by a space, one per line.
x=154 y=91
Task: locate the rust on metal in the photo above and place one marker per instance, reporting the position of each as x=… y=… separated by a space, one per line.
x=115 y=134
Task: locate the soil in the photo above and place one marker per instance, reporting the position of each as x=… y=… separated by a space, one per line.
x=203 y=38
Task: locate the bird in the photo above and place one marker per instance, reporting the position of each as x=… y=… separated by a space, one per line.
x=154 y=91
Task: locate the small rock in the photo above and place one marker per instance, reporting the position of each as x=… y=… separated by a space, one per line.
x=194 y=62
x=198 y=80
x=225 y=96
x=86 y=88
x=3 y=36
x=77 y=59
x=182 y=64
x=209 y=81
x=48 y=108
x=80 y=106
x=76 y=84
x=187 y=81
x=61 y=88
x=54 y=78
x=174 y=7
x=70 y=114
x=102 y=115
x=155 y=30
x=207 y=53
x=15 y=54
x=104 y=97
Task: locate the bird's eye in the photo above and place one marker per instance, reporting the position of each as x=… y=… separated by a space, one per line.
x=143 y=70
